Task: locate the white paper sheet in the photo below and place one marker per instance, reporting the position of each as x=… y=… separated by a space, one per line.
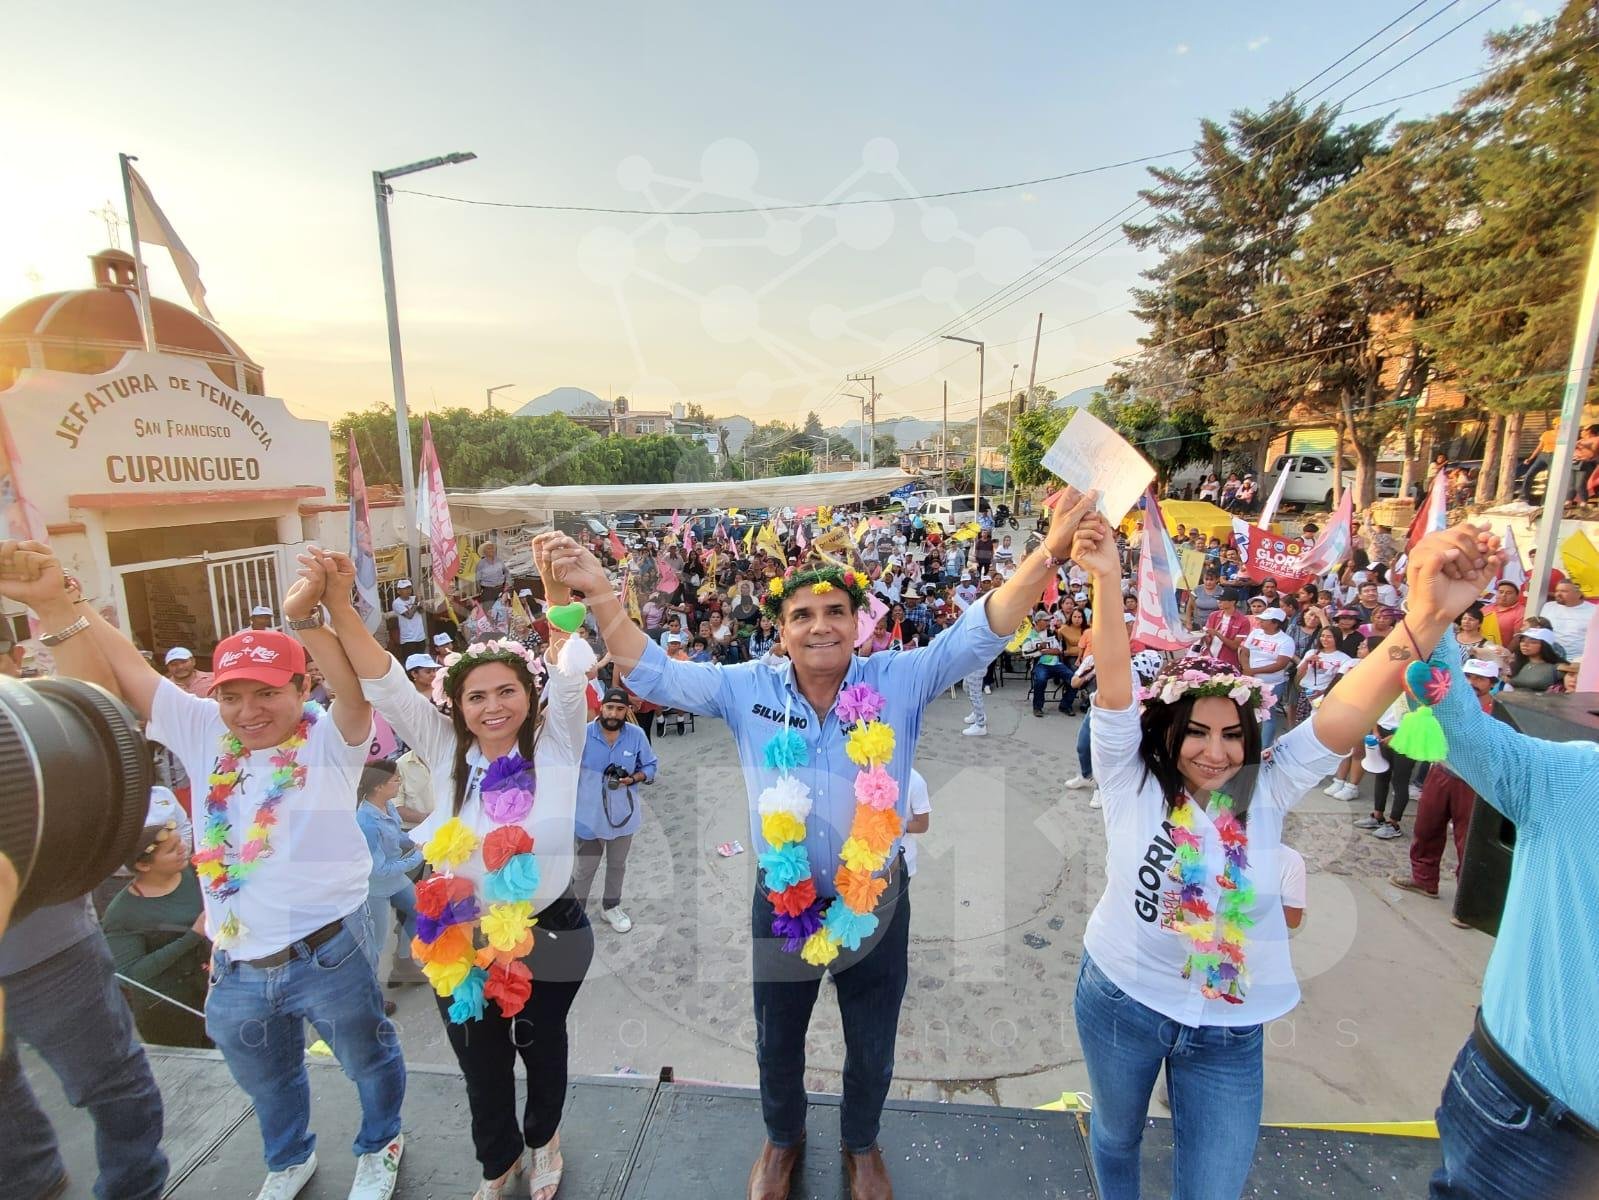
x=1090 y=454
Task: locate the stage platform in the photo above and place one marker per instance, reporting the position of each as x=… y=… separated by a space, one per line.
x=631 y=1138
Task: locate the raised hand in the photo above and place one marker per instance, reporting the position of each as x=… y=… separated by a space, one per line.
x=1094 y=547
x=306 y=592
x=1451 y=568
x=578 y=568
x=30 y=574
x=1071 y=506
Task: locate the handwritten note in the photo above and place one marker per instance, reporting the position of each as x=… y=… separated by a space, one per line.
x=1090 y=454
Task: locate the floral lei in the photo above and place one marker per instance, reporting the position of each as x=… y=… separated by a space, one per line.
x=221 y=874
x=469 y=952
x=816 y=927
x=1217 y=954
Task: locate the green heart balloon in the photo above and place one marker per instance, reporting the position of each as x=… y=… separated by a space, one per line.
x=568 y=617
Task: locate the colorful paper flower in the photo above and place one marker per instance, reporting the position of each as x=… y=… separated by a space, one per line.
x=450 y=846
x=466 y=1001
x=858 y=856
x=509 y=985
x=518 y=879
x=447 y=976
x=787 y=794
x=819 y=949
x=786 y=750
x=870 y=744
x=505 y=924
x=775 y=587
x=876 y=788
x=792 y=901
x=785 y=866
x=877 y=827
x=859 y=702
x=847 y=927
x=796 y=928
x=859 y=890
x=454 y=941
x=499 y=847
x=780 y=827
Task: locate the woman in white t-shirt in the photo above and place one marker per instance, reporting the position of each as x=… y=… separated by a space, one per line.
x=1185 y=955
x=499 y=934
x=1321 y=667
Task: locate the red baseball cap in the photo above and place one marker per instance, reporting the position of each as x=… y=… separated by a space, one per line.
x=262 y=655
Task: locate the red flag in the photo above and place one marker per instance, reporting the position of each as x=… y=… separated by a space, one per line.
x=433 y=514
x=1052 y=590
x=619 y=554
x=1433 y=515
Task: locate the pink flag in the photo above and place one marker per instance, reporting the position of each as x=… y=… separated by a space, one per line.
x=361 y=552
x=617 y=552
x=669 y=581
x=867 y=617
x=800 y=539
x=1159 y=621
x=1433 y=515
x=688 y=537
x=677 y=521
x=433 y=515
x=1332 y=546
x=1052 y=590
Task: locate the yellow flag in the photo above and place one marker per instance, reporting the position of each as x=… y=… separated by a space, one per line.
x=860 y=529
x=966 y=532
x=1022 y=631
x=824 y=515
x=469 y=557
x=520 y=617
x=749 y=539
x=932 y=525
x=768 y=541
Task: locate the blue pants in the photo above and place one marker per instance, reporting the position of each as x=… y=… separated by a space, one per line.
x=1085 y=761
x=1217 y=1081
x=377 y=915
x=1042 y=676
x=71 y=1011
x=1494 y=1148
x=257 y=1016
x=870 y=984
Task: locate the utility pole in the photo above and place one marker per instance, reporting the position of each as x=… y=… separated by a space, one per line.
x=869 y=413
x=943 y=443
x=1010 y=404
x=860 y=433
x=499 y=388
x=1032 y=371
x=977 y=441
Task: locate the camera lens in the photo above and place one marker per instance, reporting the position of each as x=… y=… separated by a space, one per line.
x=74 y=787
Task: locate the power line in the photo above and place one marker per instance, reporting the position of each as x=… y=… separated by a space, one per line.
x=806 y=205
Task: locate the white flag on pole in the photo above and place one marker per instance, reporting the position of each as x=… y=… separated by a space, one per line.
x=155 y=230
x=1514 y=570
x=1276 y=497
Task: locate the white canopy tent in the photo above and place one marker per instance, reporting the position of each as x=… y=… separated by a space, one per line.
x=500 y=508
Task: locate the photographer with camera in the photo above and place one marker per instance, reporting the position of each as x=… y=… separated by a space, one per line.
x=58 y=979
x=617 y=757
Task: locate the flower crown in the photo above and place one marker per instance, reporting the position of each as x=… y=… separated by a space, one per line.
x=821 y=577
x=1199 y=677
x=457 y=664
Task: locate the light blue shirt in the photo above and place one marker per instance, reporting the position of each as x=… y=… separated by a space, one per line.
x=754 y=697
x=1539 y=990
x=632 y=752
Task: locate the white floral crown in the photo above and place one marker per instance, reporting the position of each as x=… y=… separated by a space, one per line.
x=456 y=663
x=1209 y=677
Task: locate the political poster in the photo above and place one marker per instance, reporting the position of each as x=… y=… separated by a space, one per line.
x=1271 y=555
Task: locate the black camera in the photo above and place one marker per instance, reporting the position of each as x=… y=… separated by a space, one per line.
x=74 y=787
x=617 y=776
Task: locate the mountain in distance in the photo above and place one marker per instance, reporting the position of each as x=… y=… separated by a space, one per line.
x=907 y=431
x=563 y=400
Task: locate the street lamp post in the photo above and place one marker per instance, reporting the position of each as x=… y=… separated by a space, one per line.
x=977 y=445
x=1010 y=407
x=402 y=417
x=498 y=388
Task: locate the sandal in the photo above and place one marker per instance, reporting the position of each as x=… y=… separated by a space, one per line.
x=496 y=1189
x=547 y=1168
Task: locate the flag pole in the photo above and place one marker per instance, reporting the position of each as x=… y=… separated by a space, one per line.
x=146 y=321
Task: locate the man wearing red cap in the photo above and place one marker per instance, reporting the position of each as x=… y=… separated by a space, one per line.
x=283 y=868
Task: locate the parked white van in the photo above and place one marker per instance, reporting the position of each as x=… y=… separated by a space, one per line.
x=1310 y=480
x=949 y=511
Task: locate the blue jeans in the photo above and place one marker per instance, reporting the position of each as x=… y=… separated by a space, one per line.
x=1085 y=761
x=1041 y=678
x=870 y=983
x=1495 y=1148
x=257 y=1016
x=377 y=917
x=70 y=1010
x=1217 y=1080
x=1268 y=727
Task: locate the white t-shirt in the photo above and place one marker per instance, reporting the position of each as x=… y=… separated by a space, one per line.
x=408 y=617
x=1263 y=647
x=164 y=807
x=1129 y=932
x=1325 y=668
x=1292 y=866
x=317 y=871
x=557 y=757
x=921 y=802
x=1569 y=624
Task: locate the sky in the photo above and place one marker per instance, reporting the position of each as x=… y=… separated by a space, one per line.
x=258 y=129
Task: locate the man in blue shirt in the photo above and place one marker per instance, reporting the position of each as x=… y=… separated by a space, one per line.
x=617 y=757
x=793 y=704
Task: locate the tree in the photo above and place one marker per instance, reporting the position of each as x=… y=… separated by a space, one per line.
x=1032 y=433
x=1520 y=161
x=813 y=425
x=792 y=462
x=885 y=450
x=1171 y=438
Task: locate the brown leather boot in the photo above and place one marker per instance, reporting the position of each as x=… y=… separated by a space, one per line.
x=770 y=1176
x=868 y=1176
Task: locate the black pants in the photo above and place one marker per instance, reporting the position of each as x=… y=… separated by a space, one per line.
x=487 y=1050
x=404 y=650
x=871 y=986
x=1396 y=778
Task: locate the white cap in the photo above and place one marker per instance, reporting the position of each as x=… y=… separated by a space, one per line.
x=177 y=653
x=1488 y=670
x=525 y=592
x=420 y=661
x=402 y=583
x=442 y=639
x=260 y=610
x=1538 y=634
x=1273 y=614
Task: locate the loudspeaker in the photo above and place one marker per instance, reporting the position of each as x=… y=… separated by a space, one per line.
x=1374 y=762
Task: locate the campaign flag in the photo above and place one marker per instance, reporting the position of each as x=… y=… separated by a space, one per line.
x=1433 y=515
x=616 y=548
x=366 y=564
x=1273 y=500
x=1051 y=589
x=867 y=617
x=677 y=521
x=1240 y=535
x=767 y=540
x=153 y=229
x=1158 y=624
x=800 y=539
x=721 y=530
x=668 y=581
x=433 y=515
x=1332 y=547
x=1277 y=556
x=688 y=537
x=1515 y=571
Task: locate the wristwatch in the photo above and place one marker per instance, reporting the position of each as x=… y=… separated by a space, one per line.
x=316 y=620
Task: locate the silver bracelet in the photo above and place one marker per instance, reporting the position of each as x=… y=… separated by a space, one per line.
x=71 y=631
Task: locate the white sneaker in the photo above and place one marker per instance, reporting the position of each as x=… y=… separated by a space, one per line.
x=1351 y=792
x=987 y=691
x=1077 y=783
x=288 y=1183
x=975 y=731
x=1095 y=801
x=1335 y=789
x=969 y=718
x=617 y=919
x=377 y=1173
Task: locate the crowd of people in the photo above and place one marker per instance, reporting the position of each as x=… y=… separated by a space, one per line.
x=464 y=784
